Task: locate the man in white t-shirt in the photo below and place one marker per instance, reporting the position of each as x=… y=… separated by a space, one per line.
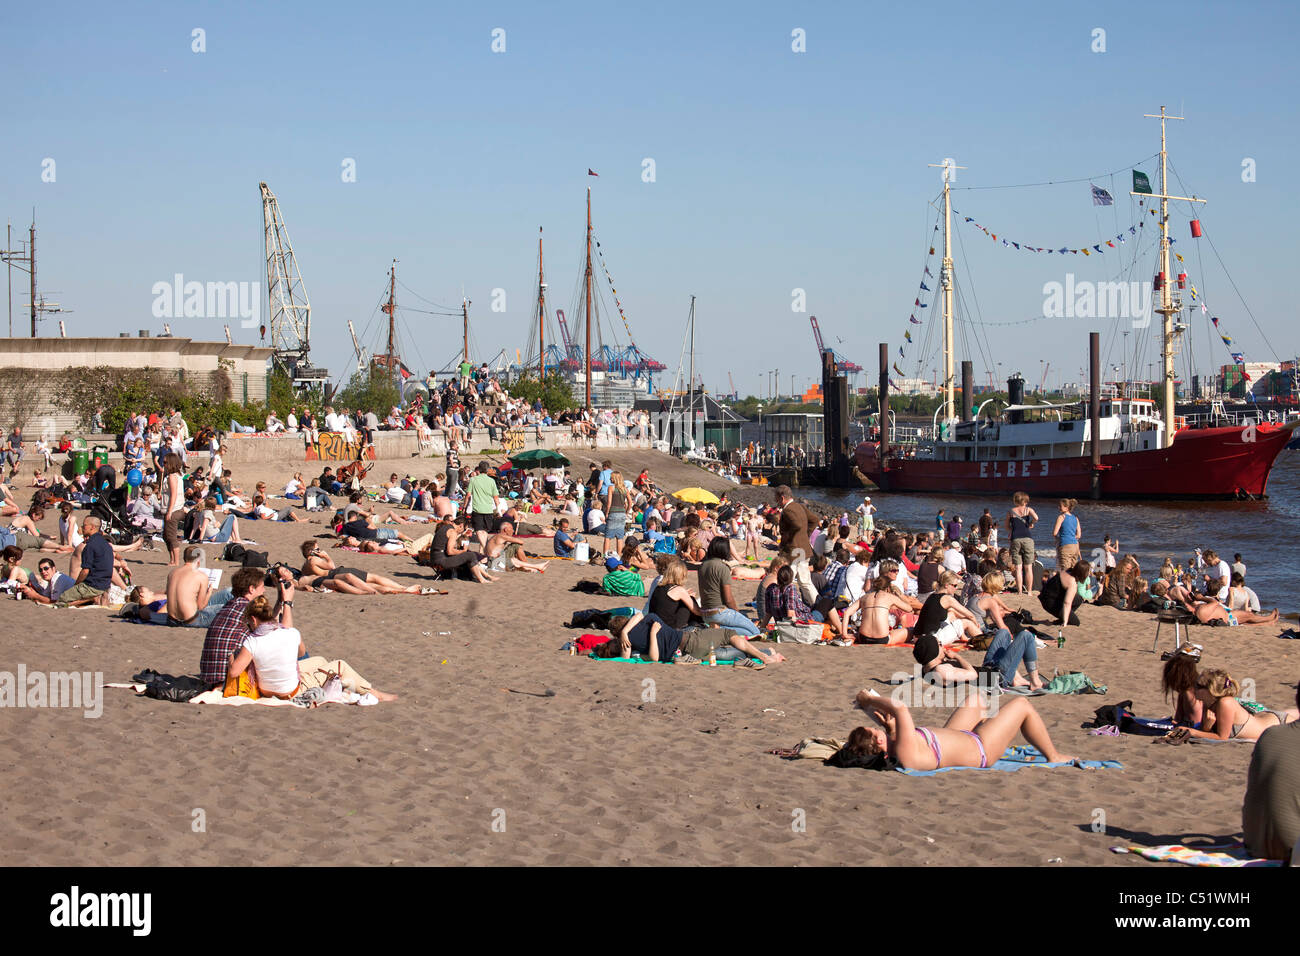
x=953 y=560
x=1217 y=573
x=855 y=578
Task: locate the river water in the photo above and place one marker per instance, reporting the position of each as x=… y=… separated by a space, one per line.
x=1265 y=533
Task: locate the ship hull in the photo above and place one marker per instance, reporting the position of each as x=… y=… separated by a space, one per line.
x=1204 y=464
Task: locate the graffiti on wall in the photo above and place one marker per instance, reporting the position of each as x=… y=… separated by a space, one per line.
x=332 y=446
x=514 y=440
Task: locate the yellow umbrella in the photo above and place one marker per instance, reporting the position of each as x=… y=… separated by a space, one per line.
x=696 y=495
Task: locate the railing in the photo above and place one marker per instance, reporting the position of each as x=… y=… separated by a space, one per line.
x=1224 y=419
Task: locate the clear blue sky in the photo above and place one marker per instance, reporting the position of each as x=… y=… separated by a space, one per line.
x=775 y=170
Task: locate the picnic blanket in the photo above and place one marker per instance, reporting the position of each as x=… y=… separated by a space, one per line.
x=1223 y=854
x=1018 y=758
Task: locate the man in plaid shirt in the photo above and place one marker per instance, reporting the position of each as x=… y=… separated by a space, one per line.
x=227 y=631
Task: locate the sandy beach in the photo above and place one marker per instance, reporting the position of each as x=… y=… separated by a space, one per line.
x=474 y=764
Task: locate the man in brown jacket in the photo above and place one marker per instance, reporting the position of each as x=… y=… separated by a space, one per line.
x=794 y=525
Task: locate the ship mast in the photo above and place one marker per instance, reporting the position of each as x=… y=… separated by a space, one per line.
x=946 y=278
x=1168 y=307
x=390 y=307
x=541 y=309
x=587 y=351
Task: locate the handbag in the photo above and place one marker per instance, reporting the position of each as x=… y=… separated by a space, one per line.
x=242 y=685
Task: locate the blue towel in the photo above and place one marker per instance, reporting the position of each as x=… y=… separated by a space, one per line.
x=1017 y=758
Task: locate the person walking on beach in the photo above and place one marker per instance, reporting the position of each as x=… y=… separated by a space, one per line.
x=1067 y=532
x=484 y=498
x=1020 y=522
x=866 y=517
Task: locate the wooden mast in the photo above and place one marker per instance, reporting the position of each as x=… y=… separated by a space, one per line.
x=391 y=308
x=587 y=351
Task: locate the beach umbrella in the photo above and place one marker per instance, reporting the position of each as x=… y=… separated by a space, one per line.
x=539 y=458
x=696 y=495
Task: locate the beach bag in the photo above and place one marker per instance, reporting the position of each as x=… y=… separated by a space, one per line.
x=792 y=631
x=666 y=545
x=245 y=685
x=256 y=559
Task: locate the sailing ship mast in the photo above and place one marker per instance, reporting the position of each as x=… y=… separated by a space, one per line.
x=587 y=351
x=541 y=310
x=390 y=307
x=1168 y=308
x=946 y=277
x=690 y=387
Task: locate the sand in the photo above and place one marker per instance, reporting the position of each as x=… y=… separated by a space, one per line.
x=461 y=770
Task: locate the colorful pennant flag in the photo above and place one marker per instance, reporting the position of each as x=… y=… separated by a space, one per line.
x=1100 y=197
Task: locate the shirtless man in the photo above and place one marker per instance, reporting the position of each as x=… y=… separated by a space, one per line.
x=191 y=601
x=319 y=570
x=875 y=606
x=507 y=547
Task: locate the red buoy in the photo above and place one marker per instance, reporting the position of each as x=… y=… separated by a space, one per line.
x=1182 y=280
x=1196 y=228
x=1158 y=282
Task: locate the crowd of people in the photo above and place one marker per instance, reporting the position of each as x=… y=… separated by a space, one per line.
x=762 y=571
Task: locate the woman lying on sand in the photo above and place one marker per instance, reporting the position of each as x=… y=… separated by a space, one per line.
x=319 y=570
x=1225 y=718
x=655 y=640
x=968 y=739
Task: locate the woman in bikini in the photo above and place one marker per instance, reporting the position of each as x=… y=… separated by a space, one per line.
x=876 y=606
x=968 y=739
x=1225 y=718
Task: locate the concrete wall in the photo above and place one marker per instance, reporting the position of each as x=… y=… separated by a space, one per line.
x=392 y=446
x=23 y=360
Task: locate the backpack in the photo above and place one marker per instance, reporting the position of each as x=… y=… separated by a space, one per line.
x=234 y=552
x=256 y=559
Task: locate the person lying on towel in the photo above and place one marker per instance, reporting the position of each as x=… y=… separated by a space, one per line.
x=968 y=739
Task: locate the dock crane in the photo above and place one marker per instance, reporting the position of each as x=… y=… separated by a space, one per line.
x=852 y=368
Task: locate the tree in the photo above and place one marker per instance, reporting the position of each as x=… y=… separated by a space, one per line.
x=554 y=392
x=368 y=391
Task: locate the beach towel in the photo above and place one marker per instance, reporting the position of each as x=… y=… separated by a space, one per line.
x=1225 y=854
x=1018 y=758
x=642 y=660
x=1075 y=682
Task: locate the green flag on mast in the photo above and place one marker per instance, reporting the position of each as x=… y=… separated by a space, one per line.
x=1140 y=183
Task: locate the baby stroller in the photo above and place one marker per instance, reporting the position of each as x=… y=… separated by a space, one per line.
x=109 y=506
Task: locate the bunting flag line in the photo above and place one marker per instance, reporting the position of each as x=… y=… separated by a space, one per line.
x=1086 y=249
